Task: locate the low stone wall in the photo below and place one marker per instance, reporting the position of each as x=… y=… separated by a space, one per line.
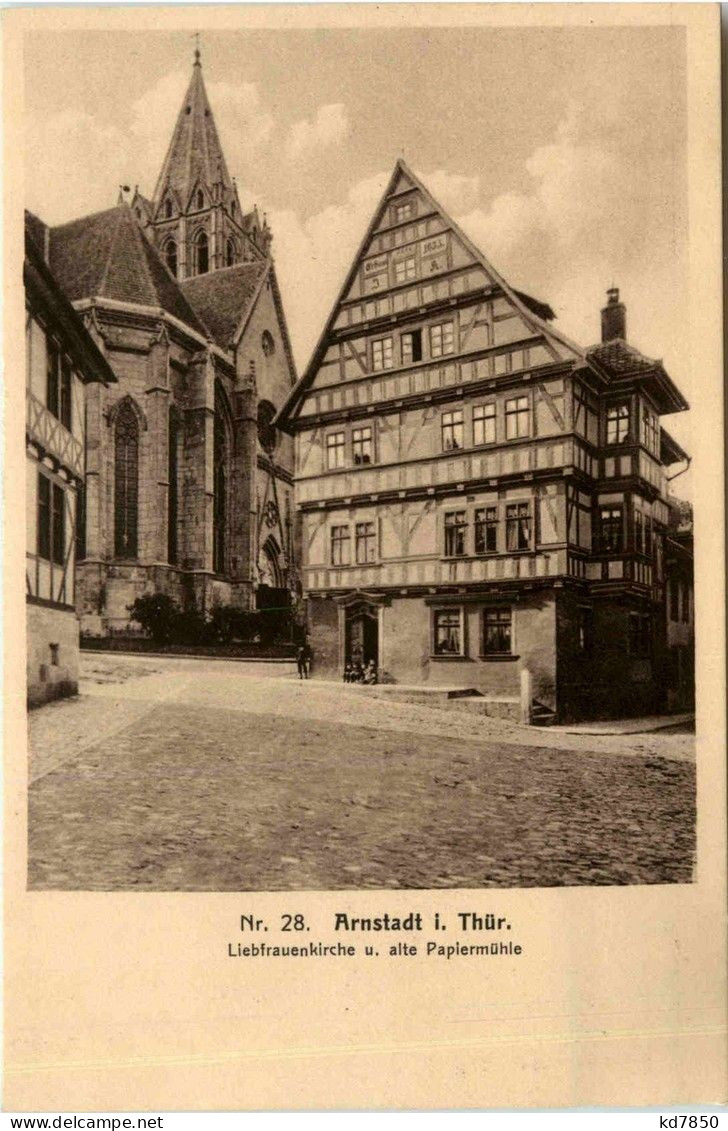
x=52 y=655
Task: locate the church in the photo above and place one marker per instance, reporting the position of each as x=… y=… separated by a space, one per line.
x=484 y=503
x=187 y=487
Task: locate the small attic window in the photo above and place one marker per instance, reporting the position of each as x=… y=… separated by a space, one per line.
x=187 y=109
x=269 y=346
x=207 y=113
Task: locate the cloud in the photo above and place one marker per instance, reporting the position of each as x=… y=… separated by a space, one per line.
x=329 y=127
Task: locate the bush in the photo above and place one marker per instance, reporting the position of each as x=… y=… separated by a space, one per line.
x=227 y=624
x=157 y=614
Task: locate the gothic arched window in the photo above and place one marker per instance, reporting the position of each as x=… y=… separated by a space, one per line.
x=168 y=208
x=199 y=199
x=172 y=489
x=202 y=259
x=229 y=253
x=170 y=256
x=126 y=482
x=221 y=451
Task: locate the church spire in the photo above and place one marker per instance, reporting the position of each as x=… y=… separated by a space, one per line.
x=195 y=159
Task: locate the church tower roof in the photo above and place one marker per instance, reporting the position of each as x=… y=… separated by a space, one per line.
x=195 y=155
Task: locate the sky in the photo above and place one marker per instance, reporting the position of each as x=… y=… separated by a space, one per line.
x=561 y=152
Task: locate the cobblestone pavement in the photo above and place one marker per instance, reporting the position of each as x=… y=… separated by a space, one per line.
x=188 y=775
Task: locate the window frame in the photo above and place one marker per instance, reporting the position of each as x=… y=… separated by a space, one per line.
x=406 y=276
x=412 y=335
x=339 y=448
x=614 y=416
x=455 y=526
x=365 y=542
x=501 y=614
x=515 y=521
x=447 y=611
x=340 y=539
x=403 y=211
x=483 y=527
x=452 y=425
x=518 y=414
x=359 y=441
x=442 y=327
x=385 y=360
x=484 y=419
x=604 y=546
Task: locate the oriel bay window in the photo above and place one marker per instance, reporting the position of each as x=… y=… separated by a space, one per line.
x=484 y=424
x=497 y=631
x=442 y=339
x=335 y=450
x=382 y=354
x=650 y=430
x=617 y=423
x=340 y=545
x=361 y=445
x=518 y=526
x=452 y=430
x=365 y=544
x=486 y=530
x=447 y=632
x=456 y=525
x=517 y=418
x=611 y=537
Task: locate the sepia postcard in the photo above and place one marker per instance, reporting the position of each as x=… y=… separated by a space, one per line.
x=364 y=557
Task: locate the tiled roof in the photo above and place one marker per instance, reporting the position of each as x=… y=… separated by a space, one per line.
x=107 y=255
x=222 y=298
x=621 y=358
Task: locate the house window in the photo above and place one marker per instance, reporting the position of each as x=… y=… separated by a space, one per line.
x=202 y=260
x=365 y=542
x=452 y=430
x=51 y=534
x=649 y=430
x=639 y=532
x=411 y=346
x=126 y=482
x=518 y=526
x=497 y=632
x=610 y=530
x=405 y=269
x=448 y=632
x=484 y=424
x=517 y=418
x=640 y=634
x=456 y=525
x=617 y=423
x=58 y=384
x=486 y=530
x=335 y=450
x=382 y=354
x=340 y=545
x=402 y=212
x=674 y=600
x=442 y=339
x=170 y=256
x=585 y=629
x=361 y=445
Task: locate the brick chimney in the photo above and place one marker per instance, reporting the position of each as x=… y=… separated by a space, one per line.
x=614 y=317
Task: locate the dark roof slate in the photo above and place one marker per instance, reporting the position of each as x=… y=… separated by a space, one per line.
x=621 y=358
x=222 y=298
x=107 y=255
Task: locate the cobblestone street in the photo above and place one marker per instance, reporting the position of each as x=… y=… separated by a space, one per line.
x=189 y=775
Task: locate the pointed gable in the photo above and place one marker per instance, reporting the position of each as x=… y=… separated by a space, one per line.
x=413 y=260
x=195 y=156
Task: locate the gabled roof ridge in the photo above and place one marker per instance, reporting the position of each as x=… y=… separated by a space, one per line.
x=88 y=216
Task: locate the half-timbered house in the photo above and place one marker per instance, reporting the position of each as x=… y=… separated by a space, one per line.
x=482 y=502
x=61 y=360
